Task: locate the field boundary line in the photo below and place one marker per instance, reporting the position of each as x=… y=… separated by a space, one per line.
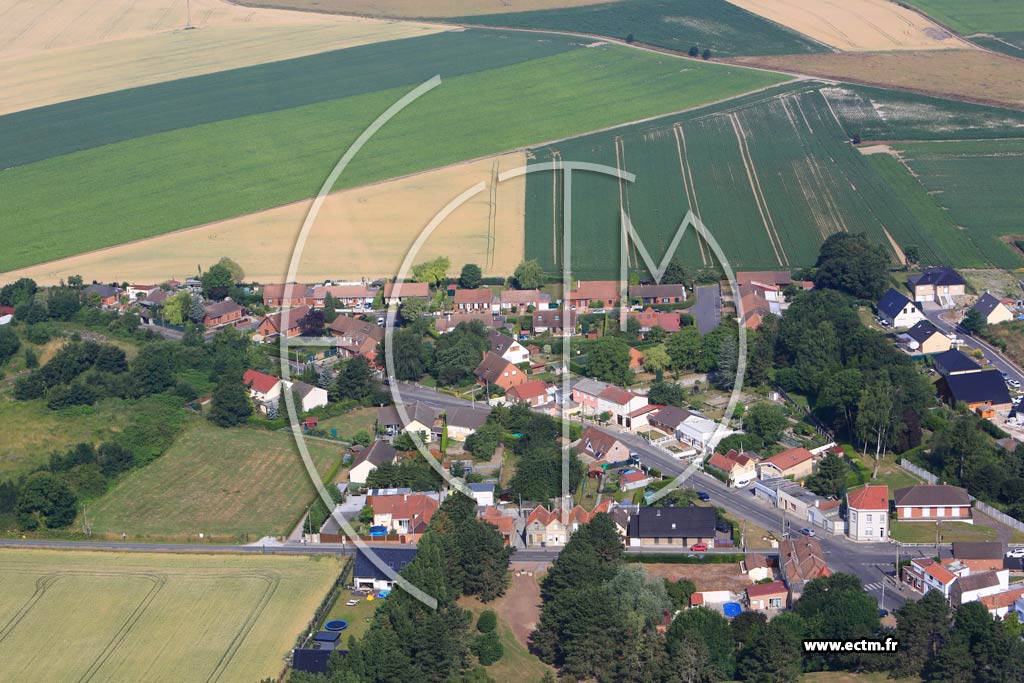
x=273 y=581
x=681 y=136
x=43 y=583
x=753 y=189
x=129 y=623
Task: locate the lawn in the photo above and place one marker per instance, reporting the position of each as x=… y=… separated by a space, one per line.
x=175 y=617
x=717 y=25
x=518 y=664
x=771 y=175
x=924 y=532
x=889 y=473
x=358 y=617
x=847 y=677
x=349 y=423
x=229 y=484
x=182 y=178
x=587 y=493
x=978 y=183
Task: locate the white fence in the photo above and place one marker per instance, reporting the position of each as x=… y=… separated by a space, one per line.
x=918 y=471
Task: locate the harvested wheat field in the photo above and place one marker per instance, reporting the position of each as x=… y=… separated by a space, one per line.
x=971 y=75
x=154 y=617
x=856 y=25
x=420 y=8
x=69 y=50
x=363 y=232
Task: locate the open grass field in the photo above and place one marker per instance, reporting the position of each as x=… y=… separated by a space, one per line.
x=1009 y=333
x=350 y=423
x=717 y=25
x=880 y=114
x=60 y=129
x=229 y=484
x=978 y=183
x=154 y=617
x=406 y=9
x=972 y=75
x=32 y=431
x=923 y=532
x=847 y=677
x=487 y=230
x=770 y=175
x=164 y=182
x=856 y=25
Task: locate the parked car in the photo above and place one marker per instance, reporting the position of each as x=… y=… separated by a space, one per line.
x=1013 y=383
x=723 y=527
x=699 y=547
x=703 y=495
x=1016 y=554
x=807 y=531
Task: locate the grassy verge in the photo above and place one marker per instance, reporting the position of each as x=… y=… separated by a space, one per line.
x=924 y=532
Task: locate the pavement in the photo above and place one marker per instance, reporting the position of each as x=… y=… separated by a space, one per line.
x=708 y=309
x=997 y=359
x=865 y=560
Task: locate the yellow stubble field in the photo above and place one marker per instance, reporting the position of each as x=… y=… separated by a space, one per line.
x=362 y=232
x=57 y=50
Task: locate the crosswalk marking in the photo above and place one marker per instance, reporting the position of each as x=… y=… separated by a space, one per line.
x=873 y=586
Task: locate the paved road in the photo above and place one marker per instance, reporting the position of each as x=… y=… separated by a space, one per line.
x=997 y=359
x=862 y=559
x=708 y=308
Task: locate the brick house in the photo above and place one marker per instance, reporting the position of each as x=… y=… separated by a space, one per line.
x=356 y=337
x=933 y=504
x=270 y=325
x=467 y=300
x=594 y=294
x=521 y=299
x=801 y=560
x=494 y=369
x=558 y=322
x=649 y=318
x=226 y=312
x=658 y=294
x=275 y=296
x=980 y=556
x=405 y=290
x=766 y=596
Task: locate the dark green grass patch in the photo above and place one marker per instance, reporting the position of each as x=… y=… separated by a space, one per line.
x=164 y=182
x=716 y=25
x=59 y=129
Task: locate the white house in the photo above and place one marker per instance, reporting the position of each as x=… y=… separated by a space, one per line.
x=898 y=310
x=483 y=494
x=508 y=348
x=377 y=573
x=379 y=453
x=867 y=511
x=701 y=433
x=263 y=388
x=621 y=404
x=309 y=396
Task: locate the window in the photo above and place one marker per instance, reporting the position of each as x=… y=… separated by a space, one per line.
x=870 y=532
x=775 y=602
x=868 y=520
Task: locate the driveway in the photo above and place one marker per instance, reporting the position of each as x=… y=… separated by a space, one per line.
x=708 y=309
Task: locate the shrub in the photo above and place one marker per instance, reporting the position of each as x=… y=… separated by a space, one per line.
x=487 y=622
x=488 y=648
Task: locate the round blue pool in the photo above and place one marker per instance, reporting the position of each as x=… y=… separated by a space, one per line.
x=336 y=625
x=732 y=609
x=378 y=531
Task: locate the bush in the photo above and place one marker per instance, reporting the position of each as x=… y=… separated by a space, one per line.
x=487 y=622
x=488 y=648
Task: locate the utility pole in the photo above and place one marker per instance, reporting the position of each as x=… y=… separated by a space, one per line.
x=188 y=14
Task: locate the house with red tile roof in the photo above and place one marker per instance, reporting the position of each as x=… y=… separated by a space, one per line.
x=867 y=513
x=602 y=446
x=801 y=560
x=932 y=503
x=650 y=318
x=621 y=404
x=533 y=393
x=351 y=296
x=766 y=596
x=506 y=524
x=594 y=294
x=522 y=299
x=634 y=480
x=269 y=326
x=293 y=294
x=552 y=528
x=795 y=462
x=741 y=468
x=402 y=512
x=468 y=300
x=494 y=369
x=263 y=388
x=399 y=292
x=223 y=313
x=924 y=574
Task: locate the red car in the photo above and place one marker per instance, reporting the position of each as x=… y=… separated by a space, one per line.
x=699 y=547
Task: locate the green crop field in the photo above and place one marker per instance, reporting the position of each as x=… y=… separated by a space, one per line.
x=978 y=182
x=723 y=28
x=879 y=114
x=154 y=617
x=59 y=129
x=949 y=241
x=228 y=484
x=975 y=16
x=995 y=24
x=151 y=185
x=770 y=175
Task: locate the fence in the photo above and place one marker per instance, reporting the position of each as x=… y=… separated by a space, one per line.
x=999 y=516
x=918 y=471
x=983 y=507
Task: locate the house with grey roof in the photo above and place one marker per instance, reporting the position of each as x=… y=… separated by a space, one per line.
x=898 y=310
x=992 y=309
